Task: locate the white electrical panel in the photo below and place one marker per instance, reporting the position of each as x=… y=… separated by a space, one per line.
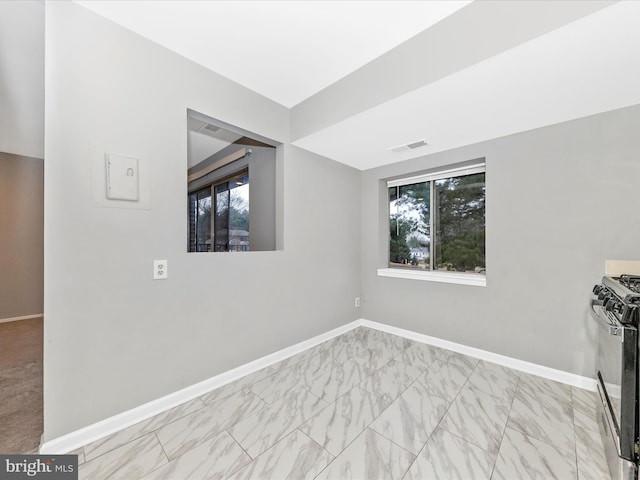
x=122 y=178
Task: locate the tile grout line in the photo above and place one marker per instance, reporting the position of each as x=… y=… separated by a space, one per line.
x=562 y=402
x=142 y=433
x=348 y=444
x=575 y=436
x=245 y=452
x=440 y=357
x=504 y=430
x=204 y=405
x=490 y=395
x=163 y=450
x=393 y=401
x=323 y=449
x=267 y=405
x=439 y=421
x=205 y=439
x=453 y=400
x=396 y=444
x=238 y=442
x=310 y=438
x=445 y=413
x=372 y=421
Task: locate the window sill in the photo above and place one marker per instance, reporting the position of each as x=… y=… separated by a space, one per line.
x=475 y=279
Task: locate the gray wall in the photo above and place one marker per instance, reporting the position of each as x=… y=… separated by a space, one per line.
x=114 y=338
x=560 y=200
x=21 y=235
x=262 y=194
x=22 y=77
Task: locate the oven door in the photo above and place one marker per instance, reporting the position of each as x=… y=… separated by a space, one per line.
x=617 y=375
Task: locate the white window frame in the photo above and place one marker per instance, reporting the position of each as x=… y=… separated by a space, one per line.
x=467 y=278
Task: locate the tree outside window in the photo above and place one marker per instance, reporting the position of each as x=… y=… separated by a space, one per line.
x=438 y=223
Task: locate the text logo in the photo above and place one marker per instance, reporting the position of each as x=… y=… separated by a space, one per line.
x=50 y=467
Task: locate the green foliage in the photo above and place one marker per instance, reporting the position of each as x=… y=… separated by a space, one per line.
x=459 y=222
x=399 y=251
x=239 y=219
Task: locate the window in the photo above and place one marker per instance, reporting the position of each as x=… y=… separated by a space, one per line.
x=437 y=222
x=227 y=213
x=200 y=220
x=227 y=217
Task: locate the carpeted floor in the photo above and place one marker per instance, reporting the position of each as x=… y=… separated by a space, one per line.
x=20 y=386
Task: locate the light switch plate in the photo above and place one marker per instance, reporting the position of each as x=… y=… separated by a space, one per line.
x=122 y=178
x=160 y=269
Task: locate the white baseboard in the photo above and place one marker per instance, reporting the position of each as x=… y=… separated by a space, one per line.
x=17 y=319
x=108 y=426
x=91 y=433
x=521 y=365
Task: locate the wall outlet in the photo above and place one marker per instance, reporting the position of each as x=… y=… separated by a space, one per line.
x=160 y=269
x=357 y=302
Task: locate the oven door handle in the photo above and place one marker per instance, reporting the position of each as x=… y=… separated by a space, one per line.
x=614 y=328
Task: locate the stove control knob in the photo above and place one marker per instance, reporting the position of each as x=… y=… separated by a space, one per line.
x=602 y=294
x=610 y=304
x=597 y=289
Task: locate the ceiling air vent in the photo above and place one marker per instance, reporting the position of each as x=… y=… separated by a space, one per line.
x=409 y=146
x=211 y=128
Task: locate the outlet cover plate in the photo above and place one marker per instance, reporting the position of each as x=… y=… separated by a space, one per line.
x=160 y=269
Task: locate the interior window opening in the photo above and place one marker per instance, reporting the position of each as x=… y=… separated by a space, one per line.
x=231 y=188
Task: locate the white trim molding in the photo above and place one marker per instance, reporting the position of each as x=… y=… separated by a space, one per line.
x=520 y=365
x=17 y=319
x=108 y=426
x=475 y=279
x=474 y=166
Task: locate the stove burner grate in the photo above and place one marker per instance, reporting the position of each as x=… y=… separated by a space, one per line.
x=632 y=282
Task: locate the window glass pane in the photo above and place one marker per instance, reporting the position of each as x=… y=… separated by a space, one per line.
x=459 y=209
x=239 y=214
x=221 y=223
x=409 y=226
x=203 y=221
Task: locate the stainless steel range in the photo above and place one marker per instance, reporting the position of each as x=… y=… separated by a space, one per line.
x=615 y=305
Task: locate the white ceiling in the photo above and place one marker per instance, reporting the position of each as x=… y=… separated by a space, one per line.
x=288 y=51
x=589 y=66
x=284 y=50
x=586 y=67
x=202 y=143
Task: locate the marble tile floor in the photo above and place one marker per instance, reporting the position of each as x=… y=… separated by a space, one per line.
x=366 y=405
